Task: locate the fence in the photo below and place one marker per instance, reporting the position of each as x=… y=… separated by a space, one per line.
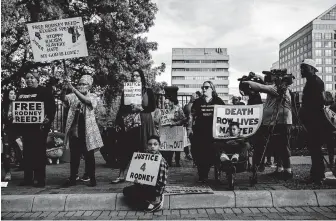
x=61 y=112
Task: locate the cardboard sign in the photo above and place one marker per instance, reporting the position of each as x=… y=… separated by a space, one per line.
x=180 y=190
x=172 y=138
x=144 y=167
x=28 y=112
x=166 y=117
x=57 y=39
x=132 y=93
x=249 y=118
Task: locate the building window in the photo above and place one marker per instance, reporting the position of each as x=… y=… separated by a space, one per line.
x=318 y=60
x=305 y=39
x=309 y=45
x=178 y=61
x=298 y=51
x=328 y=69
x=301 y=49
x=327 y=44
x=327 y=52
x=328 y=78
x=318 y=53
x=309 y=37
x=335 y=43
x=328 y=36
x=309 y=54
x=317 y=36
x=335 y=53
x=328 y=61
x=305 y=48
x=319 y=69
x=318 y=44
x=329 y=87
x=178 y=77
x=178 y=69
x=305 y=55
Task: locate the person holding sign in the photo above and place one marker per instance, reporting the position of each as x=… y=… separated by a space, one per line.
x=34 y=135
x=150 y=197
x=81 y=131
x=136 y=124
x=200 y=133
x=175 y=117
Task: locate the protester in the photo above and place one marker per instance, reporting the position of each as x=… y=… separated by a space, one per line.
x=275 y=128
x=237 y=147
x=150 y=197
x=177 y=117
x=81 y=131
x=313 y=118
x=34 y=136
x=200 y=132
x=187 y=113
x=9 y=134
x=331 y=138
x=236 y=101
x=136 y=125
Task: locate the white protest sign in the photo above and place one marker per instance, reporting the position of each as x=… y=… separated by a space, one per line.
x=249 y=118
x=132 y=93
x=186 y=141
x=331 y=116
x=57 y=39
x=144 y=167
x=166 y=117
x=28 y=112
x=171 y=138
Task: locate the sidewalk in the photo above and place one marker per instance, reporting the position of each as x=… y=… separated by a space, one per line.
x=183 y=176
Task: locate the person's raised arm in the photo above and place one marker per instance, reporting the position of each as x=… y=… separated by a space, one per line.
x=257 y=87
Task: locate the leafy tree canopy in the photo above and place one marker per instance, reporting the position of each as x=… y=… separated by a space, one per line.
x=113 y=29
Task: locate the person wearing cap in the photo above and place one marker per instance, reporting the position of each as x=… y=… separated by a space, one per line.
x=313 y=118
x=82 y=135
x=275 y=128
x=34 y=136
x=237 y=101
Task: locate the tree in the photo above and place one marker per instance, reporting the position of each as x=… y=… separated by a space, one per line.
x=113 y=29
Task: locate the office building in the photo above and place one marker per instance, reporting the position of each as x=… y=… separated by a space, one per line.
x=275 y=65
x=316 y=40
x=192 y=66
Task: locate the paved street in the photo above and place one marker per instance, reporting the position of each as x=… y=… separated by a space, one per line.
x=286 y=213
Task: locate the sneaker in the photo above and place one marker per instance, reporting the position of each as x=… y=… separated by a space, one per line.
x=224 y=157
x=8 y=177
x=287 y=175
x=154 y=207
x=235 y=158
x=85 y=178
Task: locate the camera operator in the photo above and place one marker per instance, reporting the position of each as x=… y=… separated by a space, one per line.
x=276 y=123
x=313 y=118
x=245 y=90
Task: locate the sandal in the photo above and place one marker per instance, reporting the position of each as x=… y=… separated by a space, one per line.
x=118 y=180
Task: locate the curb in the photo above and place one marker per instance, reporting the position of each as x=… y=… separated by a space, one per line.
x=116 y=201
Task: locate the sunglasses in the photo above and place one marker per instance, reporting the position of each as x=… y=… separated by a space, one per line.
x=205 y=87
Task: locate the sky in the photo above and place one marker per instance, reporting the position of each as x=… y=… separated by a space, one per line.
x=251 y=30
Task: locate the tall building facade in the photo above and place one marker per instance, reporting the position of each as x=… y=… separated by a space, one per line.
x=316 y=40
x=192 y=66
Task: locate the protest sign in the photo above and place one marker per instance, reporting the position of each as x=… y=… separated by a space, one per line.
x=180 y=190
x=28 y=112
x=166 y=117
x=144 y=167
x=186 y=141
x=57 y=39
x=132 y=93
x=171 y=138
x=249 y=118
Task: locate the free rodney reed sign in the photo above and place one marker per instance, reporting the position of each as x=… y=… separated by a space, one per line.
x=249 y=118
x=57 y=39
x=28 y=112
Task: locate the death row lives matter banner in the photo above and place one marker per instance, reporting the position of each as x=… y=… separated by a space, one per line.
x=249 y=119
x=132 y=93
x=57 y=39
x=144 y=167
x=28 y=112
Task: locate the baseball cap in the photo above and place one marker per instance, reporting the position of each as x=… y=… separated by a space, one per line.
x=310 y=62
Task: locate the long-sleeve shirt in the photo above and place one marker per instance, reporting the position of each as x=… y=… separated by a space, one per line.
x=162 y=177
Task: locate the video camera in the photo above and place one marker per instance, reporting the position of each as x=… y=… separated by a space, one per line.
x=278 y=76
x=245 y=89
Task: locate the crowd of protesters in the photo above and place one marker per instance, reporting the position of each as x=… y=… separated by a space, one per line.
x=138 y=130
